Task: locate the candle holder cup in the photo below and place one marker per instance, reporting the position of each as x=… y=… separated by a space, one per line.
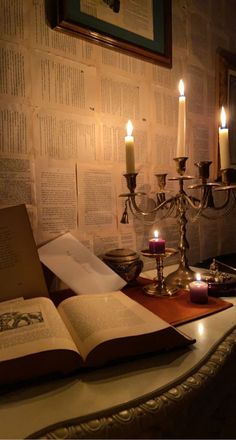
x=161 y=182
x=228 y=182
x=203 y=170
x=159 y=287
x=225 y=175
x=131 y=181
x=180 y=165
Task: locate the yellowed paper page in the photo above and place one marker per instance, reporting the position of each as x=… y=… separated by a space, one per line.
x=20 y=269
x=31 y=326
x=94 y=319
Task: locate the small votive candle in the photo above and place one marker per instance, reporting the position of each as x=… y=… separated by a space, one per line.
x=157 y=245
x=198 y=290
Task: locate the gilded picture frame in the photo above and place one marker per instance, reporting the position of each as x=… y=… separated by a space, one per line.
x=139 y=29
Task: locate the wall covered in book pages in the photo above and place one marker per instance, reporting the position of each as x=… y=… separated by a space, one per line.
x=63 y=111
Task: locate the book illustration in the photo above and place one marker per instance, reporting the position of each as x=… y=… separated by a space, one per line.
x=14 y=320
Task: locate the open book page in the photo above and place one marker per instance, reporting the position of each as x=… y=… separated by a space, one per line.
x=20 y=269
x=31 y=326
x=95 y=319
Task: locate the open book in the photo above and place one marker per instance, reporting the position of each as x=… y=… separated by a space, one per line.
x=36 y=338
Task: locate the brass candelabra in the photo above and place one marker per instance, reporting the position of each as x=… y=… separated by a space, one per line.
x=180 y=203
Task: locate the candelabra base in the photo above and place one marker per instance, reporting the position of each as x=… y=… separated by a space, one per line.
x=159 y=287
x=180 y=278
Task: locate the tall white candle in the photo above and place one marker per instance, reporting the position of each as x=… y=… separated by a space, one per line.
x=129 y=149
x=224 y=142
x=181 y=122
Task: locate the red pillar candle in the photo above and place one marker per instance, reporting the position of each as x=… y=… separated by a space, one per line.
x=157 y=245
x=198 y=290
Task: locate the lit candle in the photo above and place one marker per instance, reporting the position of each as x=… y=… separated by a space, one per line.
x=156 y=245
x=224 y=142
x=129 y=149
x=181 y=122
x=198 y=290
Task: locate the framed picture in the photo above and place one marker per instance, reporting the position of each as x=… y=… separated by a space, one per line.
x=227 y=96
x=135 y=27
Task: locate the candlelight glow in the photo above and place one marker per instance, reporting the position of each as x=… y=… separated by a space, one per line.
x=198 y=277
x=181 y=87
x=223 y=118
x=201 y=329
x=156 y=234
x=129 y=128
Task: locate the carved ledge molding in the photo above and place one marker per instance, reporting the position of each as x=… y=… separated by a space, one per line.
x=172 y=413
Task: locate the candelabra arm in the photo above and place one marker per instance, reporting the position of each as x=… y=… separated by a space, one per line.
x=192 y=201
x=160 y=198
x=206 y=199
x=225 y=203
x=135 y=208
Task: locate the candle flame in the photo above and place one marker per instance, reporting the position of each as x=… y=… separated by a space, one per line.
x=181 y=87
x=198 y=277
x=223 y=118
x=156 y=234
x=129 y=128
